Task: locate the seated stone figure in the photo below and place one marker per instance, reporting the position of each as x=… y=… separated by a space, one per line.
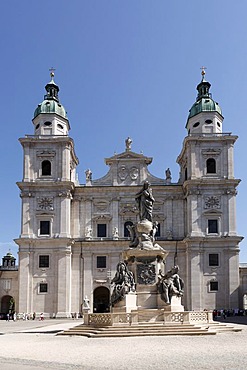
x=170 y=284
x=123 y=282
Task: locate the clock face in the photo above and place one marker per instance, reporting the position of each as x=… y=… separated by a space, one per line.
x=212 y=202
x=45 y=203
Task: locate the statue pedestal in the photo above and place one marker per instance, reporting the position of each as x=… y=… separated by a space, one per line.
x=127 y=304
x=175 y=305
x=85 y=312
x=145 y=265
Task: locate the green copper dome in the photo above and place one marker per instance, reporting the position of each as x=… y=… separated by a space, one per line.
x=50 y=106
x=204 y=101
x=51 y=103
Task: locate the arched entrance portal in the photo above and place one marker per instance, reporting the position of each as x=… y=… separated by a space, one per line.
x=101 y=300
x=7 y=304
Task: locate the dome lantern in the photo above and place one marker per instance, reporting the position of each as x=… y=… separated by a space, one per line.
x=205 y=115
x=50 y=117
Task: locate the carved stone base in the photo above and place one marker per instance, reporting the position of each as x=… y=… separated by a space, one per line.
x=175 y=305
x=127 y=304
x=135 y=254
x=145 y=265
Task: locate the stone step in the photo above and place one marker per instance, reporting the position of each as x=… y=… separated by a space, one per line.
x=137 y=333
x=131 y=331
x=218 y=327
x=136 y=327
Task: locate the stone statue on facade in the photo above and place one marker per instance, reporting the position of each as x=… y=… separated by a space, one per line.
x=170 y=284
x=168 y=176
x=115 y=234
x=88 y=233
x=128 y=143
x=88 y=174
x=123 y=283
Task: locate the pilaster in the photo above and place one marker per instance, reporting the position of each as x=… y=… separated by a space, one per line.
x=64 y=282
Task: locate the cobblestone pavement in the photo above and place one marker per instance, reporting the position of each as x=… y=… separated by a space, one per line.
x=34 y=346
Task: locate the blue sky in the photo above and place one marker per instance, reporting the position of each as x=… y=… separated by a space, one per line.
x=124 y=68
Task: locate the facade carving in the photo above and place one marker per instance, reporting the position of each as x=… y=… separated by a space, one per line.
x=45 y=203
x=212 y=202
x=125 y=172
x=213 y=152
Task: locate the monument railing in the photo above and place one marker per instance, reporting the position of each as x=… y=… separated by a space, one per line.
x=148 y=316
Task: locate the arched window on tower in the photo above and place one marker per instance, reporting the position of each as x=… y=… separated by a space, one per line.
x=211 y=165
x=46 y=168
x=126 y=231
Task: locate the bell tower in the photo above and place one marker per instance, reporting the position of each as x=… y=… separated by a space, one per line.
x=46 y=190
x=207 y=177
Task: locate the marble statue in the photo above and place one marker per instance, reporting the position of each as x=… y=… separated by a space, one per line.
x=88 y=233
x=170 y=284
x=142 y=233
x=145 y=200
x=133 y=236
x=115 y=234
x=88 y=174
x=86 y=305
x=168 y=174
x=128 y=143
x=123 y=283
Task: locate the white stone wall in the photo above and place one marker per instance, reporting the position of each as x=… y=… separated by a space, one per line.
x=182 y=209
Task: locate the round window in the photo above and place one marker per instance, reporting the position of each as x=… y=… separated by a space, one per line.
x=196 y=124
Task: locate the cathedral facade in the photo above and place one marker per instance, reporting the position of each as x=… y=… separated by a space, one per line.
x=73 y=235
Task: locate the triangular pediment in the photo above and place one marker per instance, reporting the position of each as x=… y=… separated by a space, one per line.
x=127 y=169
x=128 y=156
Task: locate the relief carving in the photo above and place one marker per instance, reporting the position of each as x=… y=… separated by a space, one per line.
x=123 y=173
x=230 y=192
x=46 y=153
x=45 y=203
x=211 y=152
x=212 y=202
x=101 y=206
x=134 y=173
x=128 y=209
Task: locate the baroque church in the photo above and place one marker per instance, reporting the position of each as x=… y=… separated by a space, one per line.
x=73 y=235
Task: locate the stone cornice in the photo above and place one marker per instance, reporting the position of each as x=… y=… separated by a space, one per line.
x=52 y=185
